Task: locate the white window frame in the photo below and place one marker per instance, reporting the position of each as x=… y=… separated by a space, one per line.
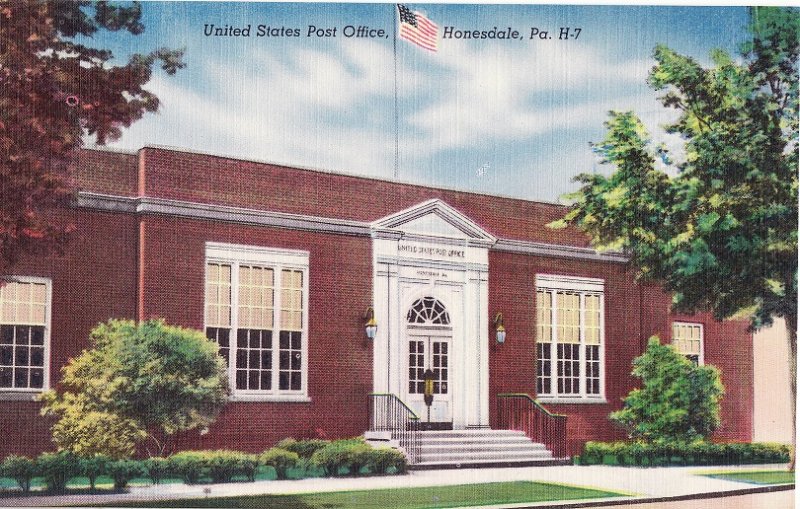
x=277 y=260
x=16 y=393
x=583 y=286
x=701 y=357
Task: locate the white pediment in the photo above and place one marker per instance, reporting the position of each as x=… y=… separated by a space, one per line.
x=433 y=218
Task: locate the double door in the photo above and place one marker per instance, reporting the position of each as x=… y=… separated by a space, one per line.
x=427 y=351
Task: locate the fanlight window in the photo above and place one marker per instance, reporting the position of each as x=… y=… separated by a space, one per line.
x=428 y=310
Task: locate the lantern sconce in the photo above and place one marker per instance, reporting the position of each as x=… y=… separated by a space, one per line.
x=499 y=328
x=371 y=326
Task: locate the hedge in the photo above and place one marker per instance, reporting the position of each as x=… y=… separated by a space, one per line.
x=695 y=453
x=351 y=456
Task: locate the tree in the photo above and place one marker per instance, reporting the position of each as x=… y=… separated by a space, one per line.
x=678 y=401
x=53 y=91
x=718 y=230
x=146 y=380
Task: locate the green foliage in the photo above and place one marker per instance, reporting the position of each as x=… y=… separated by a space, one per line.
x=718 y=224
x=280 y=459
x=682 y=453
x=191 y=466
x=304 y=448
x=341 y=454
x=157 y=468
x=57 y=469
x=147 y=376
x=93 y=467
x=381 y=461
x=224 y=465
x=55 y=91
x=19 y=468
x=677 y=400
x=122 y=471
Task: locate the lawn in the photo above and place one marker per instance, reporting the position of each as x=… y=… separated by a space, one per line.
x=759 y=477
x=400 y=498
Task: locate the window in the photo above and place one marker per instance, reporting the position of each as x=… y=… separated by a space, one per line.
x=24 y=334
x=569 y=338
x=687 y=338
x=256 y=311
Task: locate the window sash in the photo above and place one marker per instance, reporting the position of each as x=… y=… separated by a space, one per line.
x=570 y=343
x=274 y=366
x=25 y=311
x=688 y=340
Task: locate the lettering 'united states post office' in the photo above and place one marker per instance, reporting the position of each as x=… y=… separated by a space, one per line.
x=468 y=296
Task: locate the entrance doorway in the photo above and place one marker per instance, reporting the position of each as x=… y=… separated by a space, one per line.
x=429 y=336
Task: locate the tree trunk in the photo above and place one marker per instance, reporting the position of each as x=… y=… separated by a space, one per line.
x=791 y=329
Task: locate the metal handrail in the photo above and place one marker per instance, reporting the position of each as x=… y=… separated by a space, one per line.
x=390 y=413
x=520 y=411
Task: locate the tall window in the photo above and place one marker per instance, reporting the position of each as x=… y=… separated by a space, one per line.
x=24 y=334
x=569 y=337
x=256 y=311
x=687 y=338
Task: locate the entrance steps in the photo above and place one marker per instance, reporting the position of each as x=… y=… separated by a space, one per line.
x=472 y=448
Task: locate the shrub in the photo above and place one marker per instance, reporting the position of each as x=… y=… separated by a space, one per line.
x=280 y=459
x=682 y=453
x=93 y=468
x=157 y=468
x=381 y=460
x=57 y=469
x=122 y=471
x=677 y=400
x=190 y=465
x=303 y=448
x=223 y=465
x=339 y=454
x=21 y=469
x=248 y=466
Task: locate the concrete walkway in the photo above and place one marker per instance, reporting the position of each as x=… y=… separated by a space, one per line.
x=643 y=484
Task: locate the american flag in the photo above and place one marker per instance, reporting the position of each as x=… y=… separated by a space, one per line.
x=417 y=29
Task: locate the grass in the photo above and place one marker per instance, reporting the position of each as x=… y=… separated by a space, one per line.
x=400 y=498
x=757 y=477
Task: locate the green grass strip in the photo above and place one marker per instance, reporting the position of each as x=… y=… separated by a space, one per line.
x=759 y=477
x=399 y=498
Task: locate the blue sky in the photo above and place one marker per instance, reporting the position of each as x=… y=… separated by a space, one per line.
x=503 y=117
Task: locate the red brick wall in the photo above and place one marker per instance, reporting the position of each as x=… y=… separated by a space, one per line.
x=105 y=172
x=512 y=365
x=94 y=281
x=208 y=179
x=729 y=347
x=339 y=355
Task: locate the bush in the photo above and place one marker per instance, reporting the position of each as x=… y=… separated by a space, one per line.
x=122 y=471
x=189 y=465
x=682 y=453
x=381 y=460
x=157 y=468
x=280 y=459
x=19 y=468
x=93 y=468
x=57 y=469
x=224 y=465
x=678 y=401
x=303 y=448
x=341 y=454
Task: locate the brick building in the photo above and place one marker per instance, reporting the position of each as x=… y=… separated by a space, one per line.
x=281 y=266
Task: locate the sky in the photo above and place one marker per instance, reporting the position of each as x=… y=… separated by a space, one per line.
x=507 y=117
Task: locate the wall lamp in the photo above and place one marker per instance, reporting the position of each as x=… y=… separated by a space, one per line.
x=501 y=331
x=371 y=326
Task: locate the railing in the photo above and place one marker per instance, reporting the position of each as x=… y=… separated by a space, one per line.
x=387 y=412
x=523 y=413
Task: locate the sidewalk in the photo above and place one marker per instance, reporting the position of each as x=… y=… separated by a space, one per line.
x=644 y=484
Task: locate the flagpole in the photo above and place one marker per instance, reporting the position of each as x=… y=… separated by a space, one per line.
x=396 y=109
